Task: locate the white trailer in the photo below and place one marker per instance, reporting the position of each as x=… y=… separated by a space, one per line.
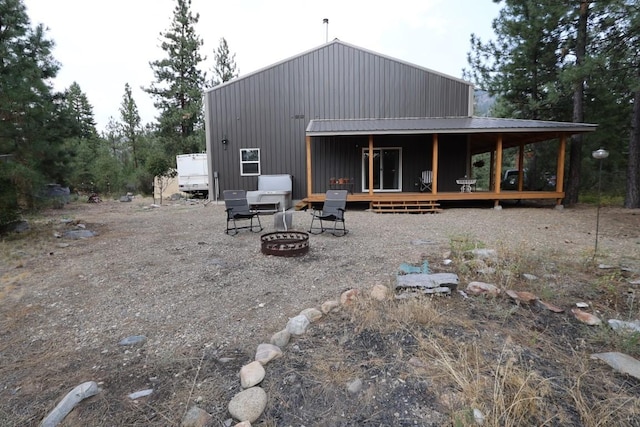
x=193 y=175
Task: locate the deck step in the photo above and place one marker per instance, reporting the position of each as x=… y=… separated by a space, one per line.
x=404 y=206
x=301 y=205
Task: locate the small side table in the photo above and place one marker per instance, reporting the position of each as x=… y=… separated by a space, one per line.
x=465 y=184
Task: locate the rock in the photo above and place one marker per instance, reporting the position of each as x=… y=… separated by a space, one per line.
x=478 y=416
x=125 y=198
x=521 y=296
x=550 y=307
x=348 y=297
x=69 y=402
x=330 y=306
x=248 y=405
x=620 y=362
x=251 y=374
x=481 y=288
x=634 y=282
x=490 y=254
x=195 y=417
x=355 y=386
x=622 y=326
x=605 y=266
x=379 y=292
x=529 y=277
x=133 y=340
x=79 y=234
x=267 y=352
x=486 y=271
x=19 y=226
x=313 y=314
x=141 y=393
x=582 y=305
x=586 y=318
x=420 y=280
x=281 y=339
x=243 y=424
x=298 y=325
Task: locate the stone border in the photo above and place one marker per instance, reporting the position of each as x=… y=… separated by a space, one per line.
x=249 y=404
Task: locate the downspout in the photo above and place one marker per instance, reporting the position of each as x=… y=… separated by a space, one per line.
x=212 y=187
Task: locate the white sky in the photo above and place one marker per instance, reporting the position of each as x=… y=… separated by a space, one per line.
x=102 y=45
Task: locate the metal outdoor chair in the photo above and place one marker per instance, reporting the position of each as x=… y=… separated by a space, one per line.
x=425 y=180
x=332 y=210
x=237 y=209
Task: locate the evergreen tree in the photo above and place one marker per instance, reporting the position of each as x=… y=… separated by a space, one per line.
x=521 y=65
x=130 y=123
x=520 y=68
x=33 y=123
x=225 y=67
x=568 y=61
x=179 y=84
x=81 y=111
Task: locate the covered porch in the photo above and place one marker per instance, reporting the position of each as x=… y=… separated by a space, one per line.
x=442 y=146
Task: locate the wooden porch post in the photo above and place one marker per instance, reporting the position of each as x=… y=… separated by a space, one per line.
x=521 y=167
x=492 y=168
x=309 y=183
x=560 y=166
x=370 y=165
x=434 y=165
x=498 y=172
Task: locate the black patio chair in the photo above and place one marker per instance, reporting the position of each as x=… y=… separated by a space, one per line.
x=237 y=208
x=333 y=210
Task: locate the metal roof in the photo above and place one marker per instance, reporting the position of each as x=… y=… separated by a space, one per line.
x=452 y=125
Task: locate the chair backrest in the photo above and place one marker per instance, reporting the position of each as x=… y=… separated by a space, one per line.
x=427 y=177
x=335 y=201
x=236 y=201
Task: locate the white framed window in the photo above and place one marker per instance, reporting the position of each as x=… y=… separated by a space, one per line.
x=249 y=161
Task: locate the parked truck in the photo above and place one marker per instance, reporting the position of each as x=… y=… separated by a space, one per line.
x=193 y=174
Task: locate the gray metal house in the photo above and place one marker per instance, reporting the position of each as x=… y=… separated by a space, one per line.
x=342 y=116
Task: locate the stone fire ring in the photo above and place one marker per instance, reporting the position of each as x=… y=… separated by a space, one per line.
x=285 y=243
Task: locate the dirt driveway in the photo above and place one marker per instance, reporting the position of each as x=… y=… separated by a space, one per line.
x=170 y=273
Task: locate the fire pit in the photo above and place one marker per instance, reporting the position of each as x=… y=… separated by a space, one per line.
x=285 y=243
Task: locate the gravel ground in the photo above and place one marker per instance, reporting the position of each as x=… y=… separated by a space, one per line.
x=172 y=274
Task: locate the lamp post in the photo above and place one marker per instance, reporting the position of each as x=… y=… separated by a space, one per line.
x=600 y=155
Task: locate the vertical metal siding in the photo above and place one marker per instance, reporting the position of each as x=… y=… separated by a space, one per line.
x=270 y=110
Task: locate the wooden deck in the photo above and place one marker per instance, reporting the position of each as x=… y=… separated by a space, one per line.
x=428 y=202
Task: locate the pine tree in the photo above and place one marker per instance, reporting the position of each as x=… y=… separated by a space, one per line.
x=130 y=123
x=33 y=122
x=179 y=84
x=225 y=67
x=81 y=111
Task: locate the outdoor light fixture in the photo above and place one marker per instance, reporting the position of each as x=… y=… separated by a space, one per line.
x=600 y=154
x=224 y=141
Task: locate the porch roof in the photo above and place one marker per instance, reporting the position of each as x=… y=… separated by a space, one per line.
x=482 y=130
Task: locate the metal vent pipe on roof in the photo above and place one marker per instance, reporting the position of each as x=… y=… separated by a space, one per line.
x=325 y=21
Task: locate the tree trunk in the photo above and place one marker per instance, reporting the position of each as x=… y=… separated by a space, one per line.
x=575 y=158
x=632 y=196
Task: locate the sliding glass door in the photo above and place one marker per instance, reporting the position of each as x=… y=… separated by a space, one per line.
x=387 y=169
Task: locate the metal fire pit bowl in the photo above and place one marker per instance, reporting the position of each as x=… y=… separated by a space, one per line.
x=285 y=243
